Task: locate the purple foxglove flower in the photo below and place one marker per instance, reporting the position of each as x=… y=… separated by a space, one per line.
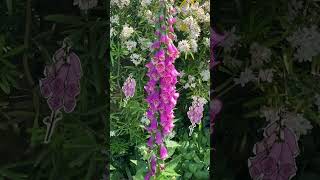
x=163 y=152
x=55 y=103
x=158 y=138
x=275 y=155
x=161 y=91
x=153 y=125
x=165 y=39
x=153 y=164
x=160 y=55
x=172 y=21
x=61 y=85
x=45 y=87
x=160 y=67
x=72 y=88
x=62 y=81
x=150 y=142
x=148 y=176
x=291 y=140
x=69 y=103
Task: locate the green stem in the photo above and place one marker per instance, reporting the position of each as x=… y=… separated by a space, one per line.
x=27 y=43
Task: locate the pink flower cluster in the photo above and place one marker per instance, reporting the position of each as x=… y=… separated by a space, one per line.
x=162 y=96
x=129 y=87
x=62 y=82
x=195 y=112
x=275 y=154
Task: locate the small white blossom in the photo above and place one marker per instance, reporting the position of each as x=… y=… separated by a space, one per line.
x=131 y=45
x=136 y=59
x=194 y=45
x=271 y=114
x=184 y=46
x=205 y=74
x=206 y=41
x=266 y=75
x=297 y=123
x=259 y=54
x=145 y=3
x=144 y=43
x=85 y=4
x=112 y=133
x=120 y=3
x=114 y=19
x=199 y=99
x=190 y=82
x=182 y=73
x=230 y=40
x=144 y=120
x=112 y=32
x=245 y=77
x=193 y=27
x=149 y=16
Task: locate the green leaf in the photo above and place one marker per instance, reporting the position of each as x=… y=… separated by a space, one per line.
x=4 y=85
x=170 y=173
x=12 y=175
x=112 y=167
x=134 y=161
x=172 y=144
x=15 y=51
x=174 y=162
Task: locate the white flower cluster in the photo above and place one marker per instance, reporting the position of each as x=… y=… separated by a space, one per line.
x=230 y=41
x=120 y=3
x=271 y=114
x=307 y=43
x=136 y=59
x=190 y=16
x=145 y=3
x=193 y=27
x=144 y=43
x=144 y=120
x=259 y=54
x=131 y=45
x=296 y=122
x=205 y=74
x=199 y=99
x=85 y=4
x=114 y=19
x=190 y=82
x=126 y=32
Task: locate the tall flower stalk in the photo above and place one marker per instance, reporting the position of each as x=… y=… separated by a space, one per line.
x=161 y=87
